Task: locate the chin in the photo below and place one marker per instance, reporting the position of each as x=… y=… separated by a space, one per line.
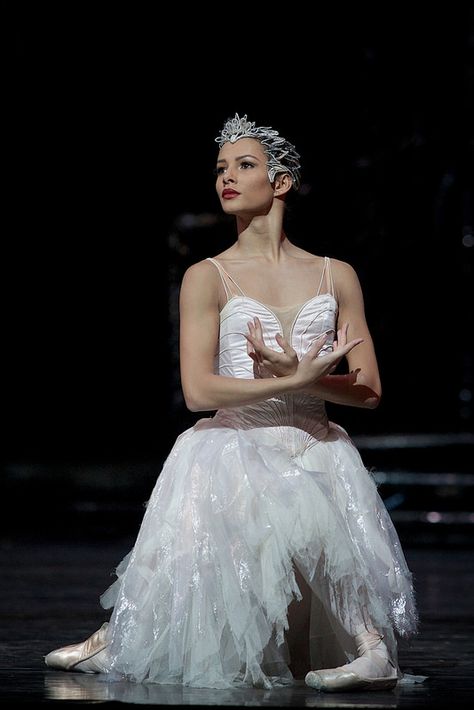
x=247 y=213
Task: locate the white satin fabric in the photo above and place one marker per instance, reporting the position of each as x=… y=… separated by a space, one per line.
x=245 y=499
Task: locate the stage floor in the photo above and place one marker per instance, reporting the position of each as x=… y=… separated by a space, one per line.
x=50 y=590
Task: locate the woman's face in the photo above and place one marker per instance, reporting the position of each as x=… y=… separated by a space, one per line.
x=242 y=182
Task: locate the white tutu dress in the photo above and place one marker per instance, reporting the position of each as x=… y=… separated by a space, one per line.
x=245 y=499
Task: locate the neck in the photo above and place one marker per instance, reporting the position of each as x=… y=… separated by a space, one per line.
x=261 y=236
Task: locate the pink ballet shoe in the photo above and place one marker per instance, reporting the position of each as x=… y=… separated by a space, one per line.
x=85 y=656
x=371 y=670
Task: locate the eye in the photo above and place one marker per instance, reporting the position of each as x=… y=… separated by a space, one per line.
x=245 y=164
x=218 y=171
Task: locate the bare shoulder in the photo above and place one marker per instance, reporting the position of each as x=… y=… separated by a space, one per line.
x=201 y=278
x=342 y=270
x=200 y=271
x=346 y=282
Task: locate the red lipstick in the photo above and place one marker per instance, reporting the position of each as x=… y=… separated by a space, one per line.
x=228 y=194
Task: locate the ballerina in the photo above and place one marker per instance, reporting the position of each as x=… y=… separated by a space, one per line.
x=266 y=500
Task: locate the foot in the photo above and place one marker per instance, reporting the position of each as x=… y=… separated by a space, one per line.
x=371 y=670
x=87 y=656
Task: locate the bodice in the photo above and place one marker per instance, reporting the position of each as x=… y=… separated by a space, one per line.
x=297 y=418
x=312 y=318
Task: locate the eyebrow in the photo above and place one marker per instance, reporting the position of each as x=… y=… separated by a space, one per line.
x=248 y=155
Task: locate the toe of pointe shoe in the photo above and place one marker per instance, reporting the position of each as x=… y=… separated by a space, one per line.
x=337 y=680
x=67 y=657
x=54 y=659
x=331 y=680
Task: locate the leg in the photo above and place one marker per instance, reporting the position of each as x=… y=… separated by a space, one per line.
x=297 y=635
x=375 y=666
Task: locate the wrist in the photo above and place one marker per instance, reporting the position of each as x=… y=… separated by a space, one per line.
x=294 y=382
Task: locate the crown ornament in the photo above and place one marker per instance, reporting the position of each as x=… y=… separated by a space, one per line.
x=281 y=154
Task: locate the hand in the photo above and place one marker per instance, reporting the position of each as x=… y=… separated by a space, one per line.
x=340 y=342
x=311 y=367
x=269 y=362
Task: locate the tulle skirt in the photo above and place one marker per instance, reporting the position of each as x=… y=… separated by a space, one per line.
x=235 y=518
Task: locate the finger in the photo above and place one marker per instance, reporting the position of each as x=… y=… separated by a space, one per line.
x=258 y=329
x=256 y=357
x=351 y=344
x=252 y=353
x=258 y=345
x=317 y=345
x=338 y=354
x=268 y=353
x=250 y=339
x=281 y=341
x=285 y=345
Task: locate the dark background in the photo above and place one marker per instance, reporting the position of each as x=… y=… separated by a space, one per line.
x=109 y=113
x=111 y=118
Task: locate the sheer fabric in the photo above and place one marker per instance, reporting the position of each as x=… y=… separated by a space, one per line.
x=249 y=501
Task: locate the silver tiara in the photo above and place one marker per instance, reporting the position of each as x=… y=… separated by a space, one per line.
x=282 y=155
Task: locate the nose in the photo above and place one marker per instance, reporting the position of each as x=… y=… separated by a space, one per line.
x=228 y=177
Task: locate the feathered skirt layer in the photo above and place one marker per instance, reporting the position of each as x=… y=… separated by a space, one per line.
x=202 y=598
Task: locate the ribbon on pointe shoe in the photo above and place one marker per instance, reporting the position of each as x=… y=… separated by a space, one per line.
x=371 y=670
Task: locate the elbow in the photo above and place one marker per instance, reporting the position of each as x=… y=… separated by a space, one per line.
x=196 y=401
x=193 y=404
x=200 y=407
x=373 y=400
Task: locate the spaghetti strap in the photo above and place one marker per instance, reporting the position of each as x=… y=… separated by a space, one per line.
x=224 y=275
x=328 y=274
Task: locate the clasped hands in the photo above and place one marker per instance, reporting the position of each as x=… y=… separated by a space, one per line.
x=310 y=368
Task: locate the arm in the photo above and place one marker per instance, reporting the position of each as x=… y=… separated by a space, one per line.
x=199 y=335
x=361 y=387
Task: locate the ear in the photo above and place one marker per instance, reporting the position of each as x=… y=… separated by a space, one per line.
x=282 y=184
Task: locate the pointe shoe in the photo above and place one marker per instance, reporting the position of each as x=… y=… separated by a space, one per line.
x=371 y=670
x=85 y=656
